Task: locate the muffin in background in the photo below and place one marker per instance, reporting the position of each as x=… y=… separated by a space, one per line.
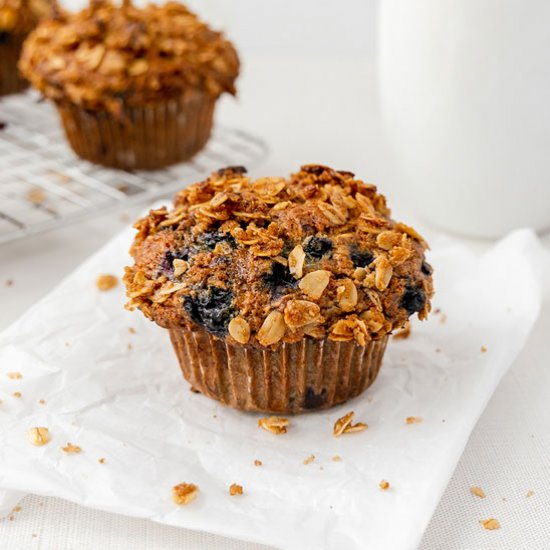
x=17 y=19
x=135 y=88
x=279 y=294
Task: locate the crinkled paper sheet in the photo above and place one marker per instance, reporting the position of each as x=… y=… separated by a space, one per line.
x=120 y=396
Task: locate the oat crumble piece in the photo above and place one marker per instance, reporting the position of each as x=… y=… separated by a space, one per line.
x=336 y=458
x=71 y=449
x=478 y=492
x=384 y=485
x=36 y=196
x=132 y=330
x=530 y=493
x=483 y=349
x=235 y=489
x=41 y=401
x=309 y=459
x=490 y=524
x=17 y=394
x=14 y=375
x=274 y=424
x=413 y=420
x=344 y=425
x=106 y=282
x=102 y=460
x=38 y=436
x=258 y=462
x=9 y=282
x=184 y=493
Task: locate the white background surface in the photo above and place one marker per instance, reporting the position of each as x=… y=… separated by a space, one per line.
x=314 y=109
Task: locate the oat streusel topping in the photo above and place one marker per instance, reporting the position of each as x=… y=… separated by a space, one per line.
x=107 y=54
x=276 y=260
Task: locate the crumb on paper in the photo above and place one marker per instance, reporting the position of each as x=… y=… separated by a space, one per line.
x=71 y=449
x=404 y=333
x=36 y=196
x=132 y=330
x=17 y=509
x=184 y=493
x=413 y=420
x=336 y=458
x=130 y=346
x=309 y=459
x=343 y=425
x=17 y=394
x=438 y=350
x=102 y=460
x=258 y=462
x=478 y=492
x=235 y=489
x=14 y=375
x=530 y=493
x=34 y=535
x=490 y=524
x=41 y=401
x=106 y=282
x=384 y=485
x=483 y=349
x=9 y=282
x=274 y=424
x=38 y=436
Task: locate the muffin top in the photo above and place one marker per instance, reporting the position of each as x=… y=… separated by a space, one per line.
x=275 y=260
x=21 y=16
x=107 y=55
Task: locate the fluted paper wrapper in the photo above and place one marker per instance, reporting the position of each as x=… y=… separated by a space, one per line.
x=291 y=378
x=147 y=138
x=11 y=81
x=119 y=394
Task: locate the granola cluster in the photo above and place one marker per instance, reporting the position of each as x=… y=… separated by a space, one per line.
x=275 y=260
x=107 y=55
x=21 y=16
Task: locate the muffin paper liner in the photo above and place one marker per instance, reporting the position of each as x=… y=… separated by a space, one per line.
x=148 y=137
x=11 y=81
x=292 y=378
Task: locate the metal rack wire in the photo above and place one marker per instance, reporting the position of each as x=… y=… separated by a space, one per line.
x=44 y=185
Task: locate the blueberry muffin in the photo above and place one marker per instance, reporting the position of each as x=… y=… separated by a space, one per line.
x=135 y=88
x=279 y=294
x=17 y=19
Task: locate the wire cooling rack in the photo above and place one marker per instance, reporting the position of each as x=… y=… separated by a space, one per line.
x=44 y=185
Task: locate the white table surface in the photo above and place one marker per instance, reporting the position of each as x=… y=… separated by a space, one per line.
x=312 y=111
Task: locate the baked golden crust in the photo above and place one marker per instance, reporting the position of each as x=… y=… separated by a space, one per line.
x=106 y=54
x=315 y=255
x=21 y=16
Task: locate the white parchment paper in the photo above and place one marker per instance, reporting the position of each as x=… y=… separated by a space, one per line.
x=120 y=396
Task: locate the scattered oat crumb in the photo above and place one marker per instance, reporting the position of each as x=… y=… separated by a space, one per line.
x=384 y=485
x=530 y=493
x=34 y=535
x=343 y=425
x=258 y=462
x=38 y=436
x=11 y=518
x=71 y=449
x=274 y=424
x=478 y=492
x=14 y=375
x=483 y=349
x=132 y=330
x=404 y=333
x=130 y=346
x=67 y=344
x=17 y=509
x=184 y=493
x=41 y=401
x=336 y=458
x=235 y=489
x=438 y=350
x=101 y=460
x=17 y=394
x=490 y=524
x=124 y=218
x=309 y=459
x=504 y=499
x=36 y=196
x=413 y=420
x=9 y=282
x=106 y=282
